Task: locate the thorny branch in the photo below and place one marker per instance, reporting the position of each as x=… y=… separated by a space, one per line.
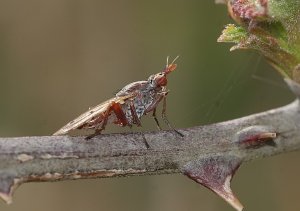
x=208 y=154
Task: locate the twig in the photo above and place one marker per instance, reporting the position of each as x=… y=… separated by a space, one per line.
x=50 y=158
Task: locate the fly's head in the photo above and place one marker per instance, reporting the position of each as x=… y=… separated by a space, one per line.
x=160 y=79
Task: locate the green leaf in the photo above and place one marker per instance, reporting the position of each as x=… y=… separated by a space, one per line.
x=271 y=27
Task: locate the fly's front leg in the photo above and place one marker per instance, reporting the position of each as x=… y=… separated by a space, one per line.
x=164 y=116
x=155 y=118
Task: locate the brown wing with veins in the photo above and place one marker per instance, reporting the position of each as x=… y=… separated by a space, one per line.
x=90 y=115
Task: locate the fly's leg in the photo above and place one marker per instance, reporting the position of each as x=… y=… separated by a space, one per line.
x=97 y=132
x=104 y=123
x=135 y=117
x=116 y=108
x=155 y=118
x=164 y=116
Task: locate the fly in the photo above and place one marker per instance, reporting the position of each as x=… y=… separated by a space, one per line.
x=128 y=106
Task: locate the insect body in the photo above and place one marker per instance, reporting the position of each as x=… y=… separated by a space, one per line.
x=128 y=106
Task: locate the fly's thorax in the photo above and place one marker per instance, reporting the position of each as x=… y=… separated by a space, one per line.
x=132 y=88
x=144 y=101
x=147 y=95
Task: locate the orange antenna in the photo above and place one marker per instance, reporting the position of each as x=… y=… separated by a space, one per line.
x=167 y=62
x=174 y=59
x=170 y=67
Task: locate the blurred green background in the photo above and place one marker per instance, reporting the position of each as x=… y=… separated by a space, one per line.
x=60 y=57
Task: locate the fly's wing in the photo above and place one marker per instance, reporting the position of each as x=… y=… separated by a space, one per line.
x=90 y=114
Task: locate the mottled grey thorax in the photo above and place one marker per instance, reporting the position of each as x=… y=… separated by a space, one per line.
x=142 y=103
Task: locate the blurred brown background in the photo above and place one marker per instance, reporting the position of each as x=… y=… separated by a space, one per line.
x=59 y=57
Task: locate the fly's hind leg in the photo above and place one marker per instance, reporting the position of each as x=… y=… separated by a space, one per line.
x=121 y=117
x=97 y=132
x=103 y=125
x=164 y=116
x=117 y=109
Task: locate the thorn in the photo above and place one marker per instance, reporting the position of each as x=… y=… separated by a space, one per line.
x=256 y=136
x=6 y=197
x=215 y=173
x=8 y=186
